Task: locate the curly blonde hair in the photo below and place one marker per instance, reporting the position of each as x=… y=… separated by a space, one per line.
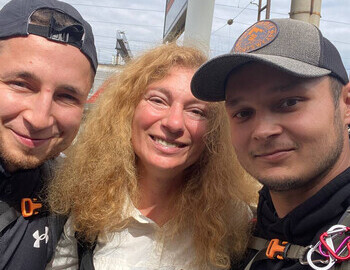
x=99 y=174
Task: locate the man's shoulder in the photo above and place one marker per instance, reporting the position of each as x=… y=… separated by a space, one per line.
x=30 y=241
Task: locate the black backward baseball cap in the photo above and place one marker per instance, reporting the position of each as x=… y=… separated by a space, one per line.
x=15 y=21
x=292 y=46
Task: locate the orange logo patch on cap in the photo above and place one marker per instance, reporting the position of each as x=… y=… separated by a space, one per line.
x=255 y=37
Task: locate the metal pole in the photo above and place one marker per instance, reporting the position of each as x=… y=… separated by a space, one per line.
x=306 y=10
x=261 y=9
x=199 y=20
x=268 y=9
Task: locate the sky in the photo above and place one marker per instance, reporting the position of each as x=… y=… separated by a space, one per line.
x=143 y=23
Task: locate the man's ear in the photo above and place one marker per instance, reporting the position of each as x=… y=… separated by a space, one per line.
x=346 y=99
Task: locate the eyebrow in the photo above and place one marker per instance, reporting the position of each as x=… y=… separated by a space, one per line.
x=169 y=94
x=165 y=91
x=20 y=74
x=31 y=76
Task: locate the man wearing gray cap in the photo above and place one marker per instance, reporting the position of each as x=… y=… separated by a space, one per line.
x=287 y=96
x=47 y=65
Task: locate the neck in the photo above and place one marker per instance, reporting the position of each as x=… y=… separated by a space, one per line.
x=157 y=192
x=284 y=202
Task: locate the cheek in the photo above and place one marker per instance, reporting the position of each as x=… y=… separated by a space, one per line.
x=239 y=138
x=69 y=120
x=10 y=106
x=144 y=117
x=141 y=122
x=307 y=128
x=197 y=131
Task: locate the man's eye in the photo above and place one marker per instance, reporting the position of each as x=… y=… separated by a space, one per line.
x=243 y=114
x=18 y=85
x=68 y=98
x=289 y=102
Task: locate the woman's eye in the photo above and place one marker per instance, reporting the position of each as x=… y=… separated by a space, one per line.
x=198 y=112
x=156 y=100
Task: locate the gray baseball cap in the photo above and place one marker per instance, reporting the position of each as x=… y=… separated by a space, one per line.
x=292 y=46
x=15 y=21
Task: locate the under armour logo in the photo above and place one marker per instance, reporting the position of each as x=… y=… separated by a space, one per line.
x=44 y=236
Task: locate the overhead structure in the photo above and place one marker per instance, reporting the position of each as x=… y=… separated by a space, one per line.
x=306 y=10
x=175 y=18
x=122 y=47
x=266 y=7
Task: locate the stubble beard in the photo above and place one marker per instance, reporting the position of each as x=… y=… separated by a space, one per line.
x=322 y=165
x=23 y=161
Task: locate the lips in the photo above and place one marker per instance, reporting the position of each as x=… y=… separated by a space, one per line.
x=274 y=156
x=168 y=143
x=274 y=152
x=31 y=142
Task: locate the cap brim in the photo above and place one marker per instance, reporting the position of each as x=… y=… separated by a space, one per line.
x=208 y=83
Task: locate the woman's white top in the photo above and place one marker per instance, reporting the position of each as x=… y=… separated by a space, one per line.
x=140 y=246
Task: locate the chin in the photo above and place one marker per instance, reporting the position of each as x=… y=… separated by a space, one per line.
x=23 y=161
x=172 y=168
x=167 y=167
x=282 y=183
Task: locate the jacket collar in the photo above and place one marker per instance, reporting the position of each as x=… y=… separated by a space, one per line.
x=311 y=217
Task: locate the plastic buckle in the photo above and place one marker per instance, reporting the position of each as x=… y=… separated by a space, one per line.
x=30 y=206
x=277 y=249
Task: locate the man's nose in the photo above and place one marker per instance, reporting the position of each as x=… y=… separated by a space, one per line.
x=39 y=113
x=266 y=126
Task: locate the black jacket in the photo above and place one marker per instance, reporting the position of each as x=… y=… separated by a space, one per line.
x=304 y=224
x=26 y=243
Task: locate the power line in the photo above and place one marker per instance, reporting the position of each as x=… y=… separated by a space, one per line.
x=136 y=9
x=249 y=24
x=280 y=13
x=343 y=42
x=129 y=40
x=252 y=9
x=346 y=23
x=141 y=25
x=233 y=19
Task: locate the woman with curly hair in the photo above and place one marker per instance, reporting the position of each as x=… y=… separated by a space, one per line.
x=151 y=179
